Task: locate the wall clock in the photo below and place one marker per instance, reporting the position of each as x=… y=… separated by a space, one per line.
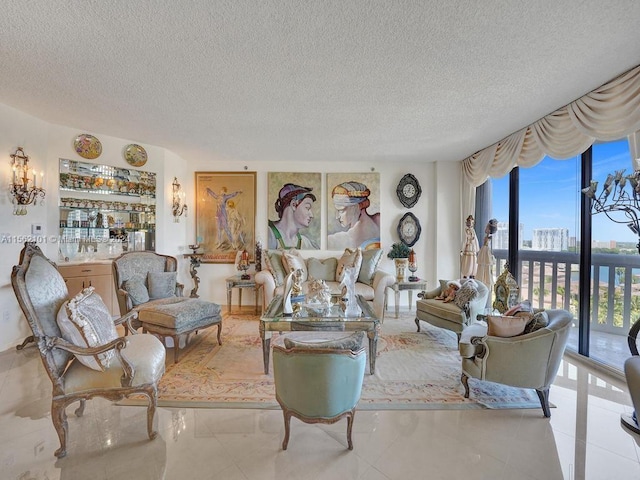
x=409 y=229
x=408 y=190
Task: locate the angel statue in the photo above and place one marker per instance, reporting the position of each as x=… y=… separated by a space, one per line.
x=348 y=283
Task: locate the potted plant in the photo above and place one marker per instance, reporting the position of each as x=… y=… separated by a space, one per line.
x=400 y=254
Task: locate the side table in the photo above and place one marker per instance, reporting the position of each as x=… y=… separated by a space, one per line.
x=406 y=285
x=236 y=281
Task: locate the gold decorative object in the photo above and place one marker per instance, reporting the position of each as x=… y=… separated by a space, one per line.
x=87 y=146
x=23 y=188
x=135 y=155
x=507 y=291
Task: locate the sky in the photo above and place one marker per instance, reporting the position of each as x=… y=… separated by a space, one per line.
x=550 y=193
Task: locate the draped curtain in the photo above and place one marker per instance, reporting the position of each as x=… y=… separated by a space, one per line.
x=607 y=113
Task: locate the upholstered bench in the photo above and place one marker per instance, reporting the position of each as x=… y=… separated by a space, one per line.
x=177 y=316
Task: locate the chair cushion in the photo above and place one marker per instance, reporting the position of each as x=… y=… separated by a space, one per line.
x=324 y=269
x=537 y=321
x=273 y=263
x=370 y=260
x=179 y=313
x=351 y=342
x=350 y=258
x=86 y=321
x=145 y=353
x=467 y=292
x=503 y=326
x=136 y=289
x=162 y=284
x=292 y=260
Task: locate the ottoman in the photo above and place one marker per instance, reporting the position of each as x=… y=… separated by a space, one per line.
x=177 y=316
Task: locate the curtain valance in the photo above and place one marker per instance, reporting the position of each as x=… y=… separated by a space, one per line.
x=609 y=112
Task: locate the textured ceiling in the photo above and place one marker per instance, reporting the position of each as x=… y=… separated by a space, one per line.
x=354 y=80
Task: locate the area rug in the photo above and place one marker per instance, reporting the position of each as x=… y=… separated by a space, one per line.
x=413 y=371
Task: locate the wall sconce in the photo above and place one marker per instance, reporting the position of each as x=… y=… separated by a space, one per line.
x=178 y=207
x=23 y=188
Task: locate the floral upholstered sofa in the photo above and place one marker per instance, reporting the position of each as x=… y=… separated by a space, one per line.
x=371 y=283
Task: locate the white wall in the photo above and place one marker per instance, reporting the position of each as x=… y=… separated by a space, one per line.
x=437 y=210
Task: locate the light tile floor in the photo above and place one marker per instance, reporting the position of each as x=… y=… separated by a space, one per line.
x=582 y=439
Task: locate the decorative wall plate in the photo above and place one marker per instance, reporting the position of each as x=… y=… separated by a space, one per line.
x=135 y=155
x=408 y=190
x=87 y=146
x=409 y=229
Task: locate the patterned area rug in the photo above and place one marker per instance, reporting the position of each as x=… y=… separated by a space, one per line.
x=413 y=371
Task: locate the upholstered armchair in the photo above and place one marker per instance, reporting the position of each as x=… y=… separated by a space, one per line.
x=319 y=382
x=146 y=283
x=529 y=360
x=79 y=345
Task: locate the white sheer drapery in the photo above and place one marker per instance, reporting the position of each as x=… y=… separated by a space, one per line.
x=609 y=112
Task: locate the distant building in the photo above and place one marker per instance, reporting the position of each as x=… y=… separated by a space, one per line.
x=604 y=244
x=501 y=237
x=550 y=239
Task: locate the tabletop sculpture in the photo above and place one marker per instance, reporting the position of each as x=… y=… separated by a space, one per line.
x=348 y=285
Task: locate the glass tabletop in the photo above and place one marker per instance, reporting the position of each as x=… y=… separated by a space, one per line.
x=315 y=312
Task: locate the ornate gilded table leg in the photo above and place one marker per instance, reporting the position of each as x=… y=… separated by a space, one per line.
x=195 y=263
x=373 y=348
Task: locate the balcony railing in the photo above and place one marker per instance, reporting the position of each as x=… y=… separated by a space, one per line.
x=550 y=280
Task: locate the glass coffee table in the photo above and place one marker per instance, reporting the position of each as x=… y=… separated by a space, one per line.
x=314 y=318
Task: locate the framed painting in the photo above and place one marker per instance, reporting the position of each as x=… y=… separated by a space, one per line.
x=225 y=214
x=353 y=210
x=294 y=210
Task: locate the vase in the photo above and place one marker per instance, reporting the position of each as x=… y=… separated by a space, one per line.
x=401 y=267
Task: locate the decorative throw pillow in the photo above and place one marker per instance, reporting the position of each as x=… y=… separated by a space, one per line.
x=539 y=320
x=350 y=258
x=136 y=289
x=501 y=326
x=273 y=263
x=467 y=292
x=86 y=321
x=352 y=342
x=292 y=260
x=370 y=260
x=162 y=284
x=324 y=269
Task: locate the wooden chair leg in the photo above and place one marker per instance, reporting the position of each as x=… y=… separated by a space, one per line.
x=465 y=382
x=59 y=417
x=151 y=412
x=287 y=428
x=543 y=395
x=349 y=428
x=418 y=324
x=219 y=332
x=176 y=347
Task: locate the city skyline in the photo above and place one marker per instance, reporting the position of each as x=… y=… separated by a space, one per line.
x=550 y=194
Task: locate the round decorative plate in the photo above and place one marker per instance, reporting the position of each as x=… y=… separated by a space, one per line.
x=408 y=190
x=87 y=146
x=409 y=229
x=135 y=155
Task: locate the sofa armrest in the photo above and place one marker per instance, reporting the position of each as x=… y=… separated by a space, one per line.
x=265 y=280
x=430 y=293
x=381 y=281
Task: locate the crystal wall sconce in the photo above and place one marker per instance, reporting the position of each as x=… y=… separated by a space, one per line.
x=23 y=187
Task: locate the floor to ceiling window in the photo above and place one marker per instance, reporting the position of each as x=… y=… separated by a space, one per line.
x=615 y=271
x=549 y=248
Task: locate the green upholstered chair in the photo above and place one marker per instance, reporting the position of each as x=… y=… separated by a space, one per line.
x=137 y=361
x=527 y=361
x=318 y=385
